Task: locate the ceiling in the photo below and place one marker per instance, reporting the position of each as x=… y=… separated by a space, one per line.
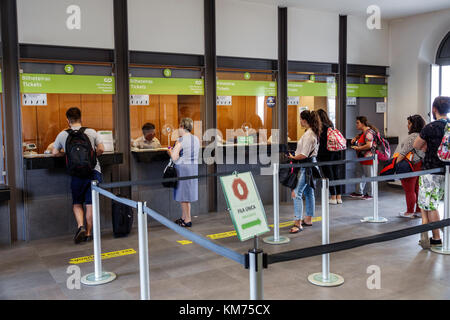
x=390 y=9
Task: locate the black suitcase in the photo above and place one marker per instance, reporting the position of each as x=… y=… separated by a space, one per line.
x=122 y=219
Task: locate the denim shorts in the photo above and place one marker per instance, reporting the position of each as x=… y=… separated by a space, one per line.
x=81 y=188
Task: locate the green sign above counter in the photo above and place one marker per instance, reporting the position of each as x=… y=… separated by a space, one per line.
x=166 y=86
x=311 y=89
x=367 y=90
x=61 y=83
x=246 y=88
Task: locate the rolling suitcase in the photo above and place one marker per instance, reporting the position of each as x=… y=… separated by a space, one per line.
x=122 y=219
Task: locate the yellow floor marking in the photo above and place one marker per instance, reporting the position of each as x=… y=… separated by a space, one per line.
x=233 y=233
x=106 y=255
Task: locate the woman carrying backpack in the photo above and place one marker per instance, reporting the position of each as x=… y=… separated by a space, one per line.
x=307 y=149
x=406 y=150
x=364 y=144
x=331 y=172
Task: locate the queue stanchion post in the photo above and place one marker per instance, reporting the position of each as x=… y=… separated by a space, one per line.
x=256 y=265
x=376 y=217
x=325 y=278
x=445 y=247
x=144 y=268
x=276 y=239
x=99 y=276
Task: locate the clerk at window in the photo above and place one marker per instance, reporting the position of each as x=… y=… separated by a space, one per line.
x=148 y=139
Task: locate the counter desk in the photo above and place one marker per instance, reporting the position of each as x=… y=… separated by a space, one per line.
x=48 y=198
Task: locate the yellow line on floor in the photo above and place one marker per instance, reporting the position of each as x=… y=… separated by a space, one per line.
x=233 y=233
x=106 y=255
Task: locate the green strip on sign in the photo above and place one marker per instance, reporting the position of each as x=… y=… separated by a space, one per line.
x=246 y=88
x=367 y=90
x=166 y=86
x=251 y=224
x=310 y=89
x=61 y=83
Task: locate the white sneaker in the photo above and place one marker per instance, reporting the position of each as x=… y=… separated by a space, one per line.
x=408 y=216
x=333 y=201
x=418 y=215
x=339 y=201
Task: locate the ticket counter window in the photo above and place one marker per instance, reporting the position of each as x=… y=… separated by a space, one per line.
x=162 y=97
x=244 y=106
x=309 y=92
x=48 y=90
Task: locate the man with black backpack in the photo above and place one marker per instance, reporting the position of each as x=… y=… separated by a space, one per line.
x=81 y=146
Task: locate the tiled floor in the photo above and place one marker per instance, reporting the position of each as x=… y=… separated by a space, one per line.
x=38 y=270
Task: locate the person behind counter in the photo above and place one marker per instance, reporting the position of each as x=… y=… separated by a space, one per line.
x=148 y=139
x=185 y=156
x=81 y=187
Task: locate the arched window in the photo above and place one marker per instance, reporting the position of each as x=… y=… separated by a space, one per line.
x=440 y=72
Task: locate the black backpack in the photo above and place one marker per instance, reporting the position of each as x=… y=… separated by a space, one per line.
x=80 y=156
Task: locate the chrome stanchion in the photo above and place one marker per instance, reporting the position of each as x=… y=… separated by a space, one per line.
x=325 y=278
x=376 y=218
x=276 y=239
x=255 y=259
x=445 y=247
x=144 y=268
x=99 y=276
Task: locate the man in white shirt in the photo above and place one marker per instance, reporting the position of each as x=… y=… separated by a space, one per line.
x=81 y=187
x=148 y=139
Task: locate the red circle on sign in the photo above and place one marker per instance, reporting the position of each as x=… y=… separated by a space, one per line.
x=241 y=196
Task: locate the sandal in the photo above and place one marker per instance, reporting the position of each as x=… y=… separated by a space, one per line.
x=297 y=230
x=306 y=225
x=179 y=221
x=186 y=224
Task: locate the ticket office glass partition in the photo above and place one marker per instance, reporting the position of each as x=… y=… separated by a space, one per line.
x=49 y=89
x=309 y=92
x=367 y=96
x=162 y=96
x=2 y=130
x=245 y=100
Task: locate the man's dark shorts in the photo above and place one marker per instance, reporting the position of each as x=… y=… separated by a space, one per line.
x=81 y=188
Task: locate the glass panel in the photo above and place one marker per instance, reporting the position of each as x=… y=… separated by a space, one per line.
x=435 y=83
x=244 y=106
x=47 y=96
x=309 y=92
x=446 y=82
x=159 y=99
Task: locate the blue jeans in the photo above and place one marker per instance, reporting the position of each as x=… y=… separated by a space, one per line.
x=303 y=189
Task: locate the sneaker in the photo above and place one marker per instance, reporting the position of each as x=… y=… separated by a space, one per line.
x=418 y=214
x=424 y=241
x=339 y=201
x=356 y=195
x=435 y=242
x=333 y=201
x=80 y=235
x=366 y=197
x=405 y=215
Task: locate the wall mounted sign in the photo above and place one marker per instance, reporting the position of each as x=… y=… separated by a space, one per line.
x=139 y=100
x=246 y=209
x=351 y=101
x=247 y=76
x=381 y=107
x=293 y=101
x=271 y=102
x=309 y=89
x=34 y=99
x=167 y=73
x=68 y=68
x=224 y=100
x=61 y=83
x=367 y=90
x=312 y=77
x=166 y=86
x=246 y=88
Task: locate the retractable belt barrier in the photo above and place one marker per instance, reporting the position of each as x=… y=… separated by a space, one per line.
x=324 y=163
x=354 y=243
x=386 y=178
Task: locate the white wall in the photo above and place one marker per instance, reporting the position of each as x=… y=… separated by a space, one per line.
x=246 y=29
x=166 y=26
x=313 y=35
x=44 y=22
x=365 y=46
x=414 y=42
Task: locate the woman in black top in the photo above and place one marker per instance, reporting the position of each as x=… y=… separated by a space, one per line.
x=331 y=172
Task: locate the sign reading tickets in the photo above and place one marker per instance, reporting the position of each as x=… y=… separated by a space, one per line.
x=168 y=86
x=246 y=209
x=62 y=83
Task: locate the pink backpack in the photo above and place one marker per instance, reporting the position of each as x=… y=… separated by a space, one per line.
x=335 y=140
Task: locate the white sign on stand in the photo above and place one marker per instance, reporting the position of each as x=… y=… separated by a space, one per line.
x=381 y=107
x=34 y=99
x=245 y=206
